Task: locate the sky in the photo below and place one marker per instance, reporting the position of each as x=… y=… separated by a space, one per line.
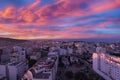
x=60 y=19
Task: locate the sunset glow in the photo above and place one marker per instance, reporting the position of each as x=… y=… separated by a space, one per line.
x=59 y=19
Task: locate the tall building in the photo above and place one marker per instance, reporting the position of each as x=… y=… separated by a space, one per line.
x=13 y=64
x=106 y=65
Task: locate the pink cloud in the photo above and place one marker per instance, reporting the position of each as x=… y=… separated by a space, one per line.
x=106 y=5
x=118 y=2
x=52 y=15
x=60 y=9
x=9 y=13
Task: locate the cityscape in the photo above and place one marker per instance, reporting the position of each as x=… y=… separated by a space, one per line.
x=60 y=40
x=60 y=60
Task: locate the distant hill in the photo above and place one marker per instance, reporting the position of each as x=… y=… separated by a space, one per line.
x=87 y=39
x=9 y=41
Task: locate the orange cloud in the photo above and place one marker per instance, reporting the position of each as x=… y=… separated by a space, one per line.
x=9 y=13
x=27 y=16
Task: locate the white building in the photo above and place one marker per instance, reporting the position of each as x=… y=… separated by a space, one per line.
x=79 y=51
x=70 y=51
x=13 y=70
x=108 y=66
x=52 y=53
x=5 y=54
x=18 y=54
x=44 y=69
x=16 y=70
x=63 y=52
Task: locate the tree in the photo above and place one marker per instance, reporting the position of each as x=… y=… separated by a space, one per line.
x=80 y=76
x=69 y=74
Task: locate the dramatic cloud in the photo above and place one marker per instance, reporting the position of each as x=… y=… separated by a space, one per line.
x=28 y=19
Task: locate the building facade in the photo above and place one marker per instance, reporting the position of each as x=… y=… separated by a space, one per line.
x=106 y=65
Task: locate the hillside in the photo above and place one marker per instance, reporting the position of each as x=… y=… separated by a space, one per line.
x=9 y=41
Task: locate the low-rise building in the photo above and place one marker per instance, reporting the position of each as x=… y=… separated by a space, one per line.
x=44 y=69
